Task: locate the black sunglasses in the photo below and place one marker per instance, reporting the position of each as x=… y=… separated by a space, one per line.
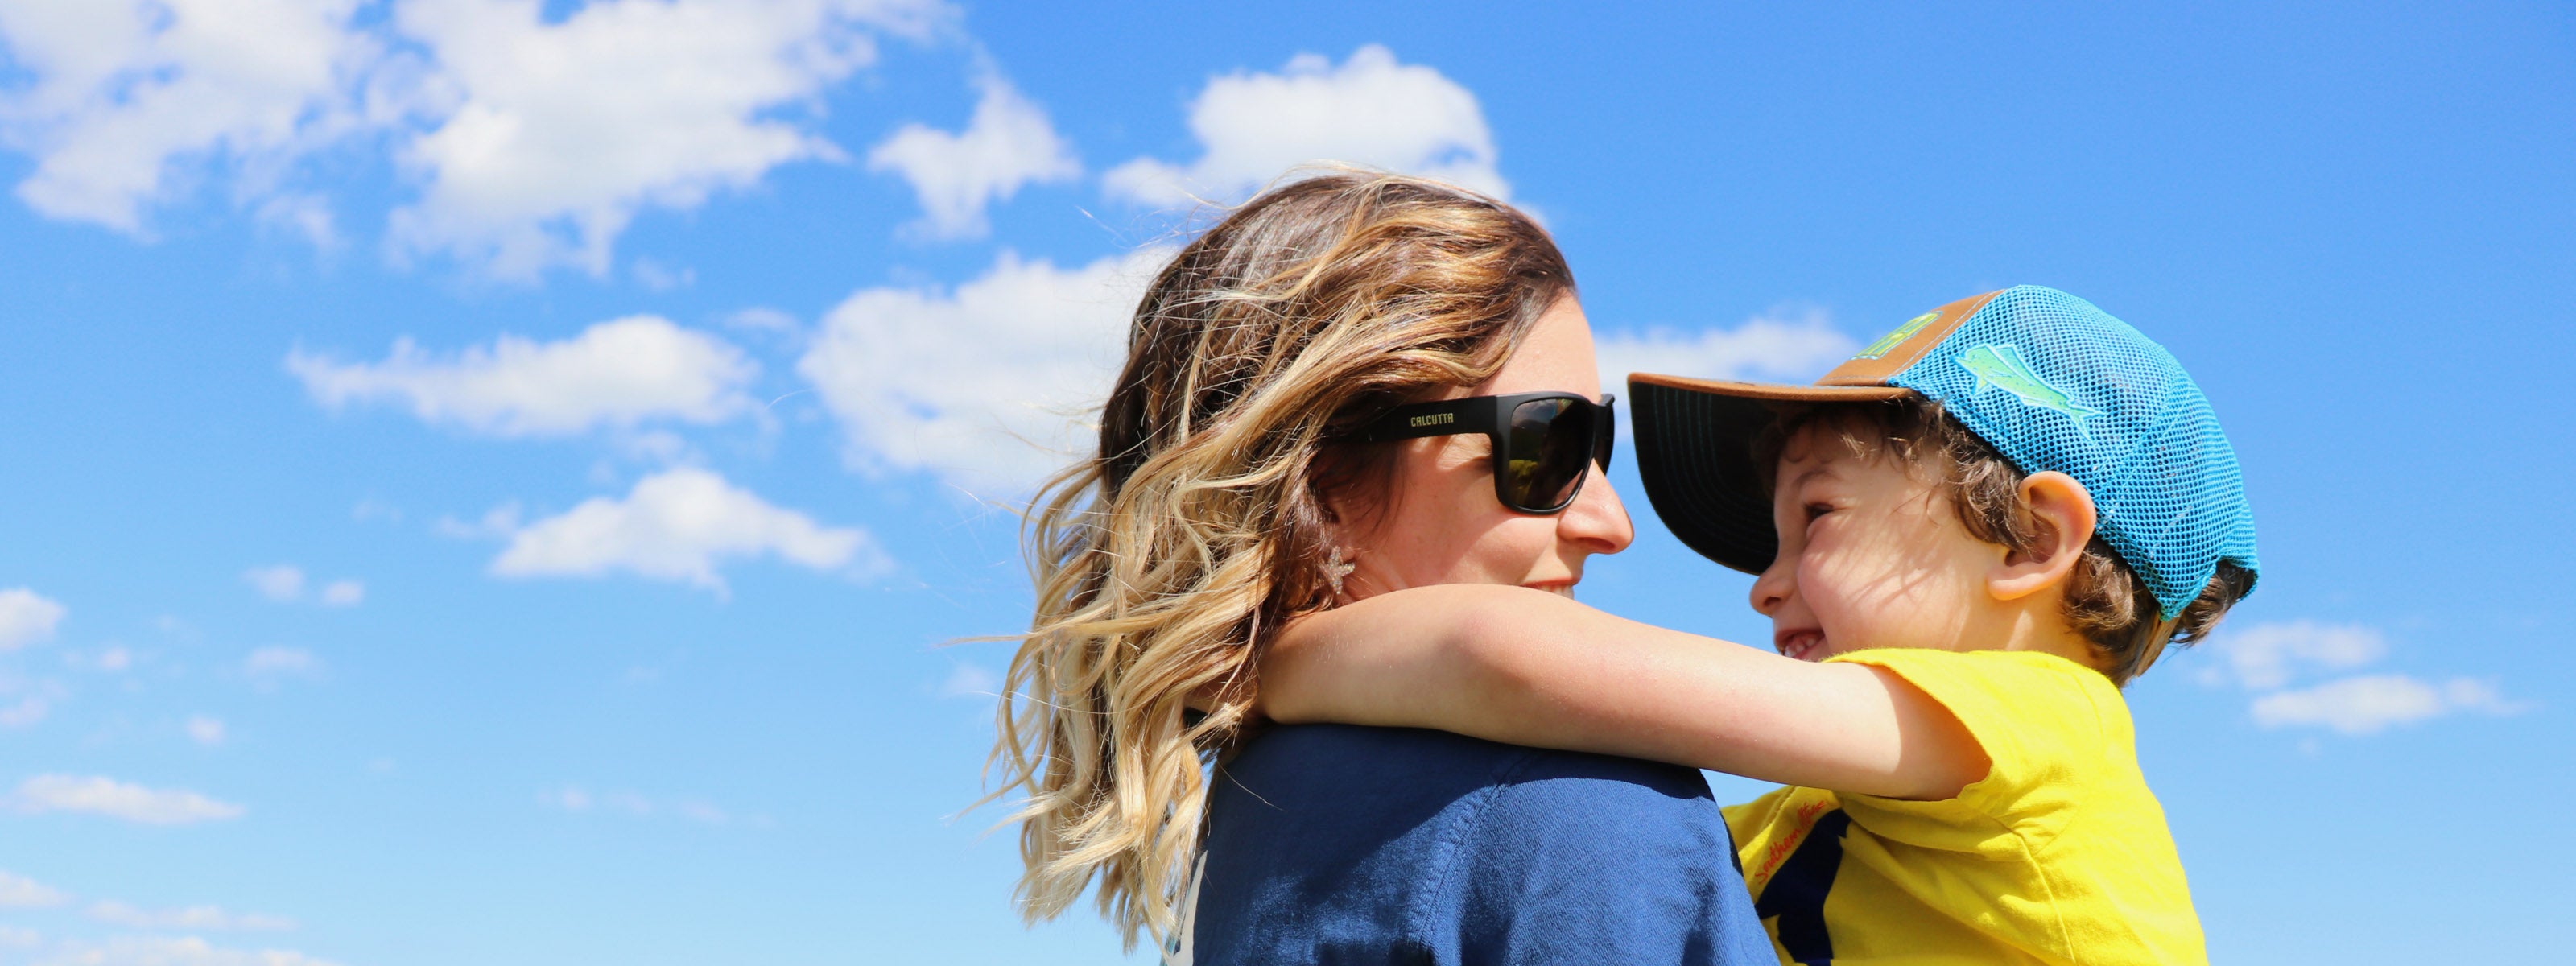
x=1544 y=442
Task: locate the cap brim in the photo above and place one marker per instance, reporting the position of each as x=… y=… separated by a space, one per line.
x=1695 y=451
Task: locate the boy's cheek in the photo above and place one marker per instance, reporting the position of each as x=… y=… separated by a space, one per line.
x=1861 y=614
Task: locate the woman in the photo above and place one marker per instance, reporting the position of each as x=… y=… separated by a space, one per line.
x=1351 y=385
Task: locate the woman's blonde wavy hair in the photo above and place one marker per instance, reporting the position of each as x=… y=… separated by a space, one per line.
x=1204 y=519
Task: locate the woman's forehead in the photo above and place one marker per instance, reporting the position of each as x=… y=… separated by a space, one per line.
x=1556 y=355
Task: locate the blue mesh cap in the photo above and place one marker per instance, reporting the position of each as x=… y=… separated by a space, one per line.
x=2052 y=382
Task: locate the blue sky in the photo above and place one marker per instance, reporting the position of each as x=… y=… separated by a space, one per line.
x=490 y=481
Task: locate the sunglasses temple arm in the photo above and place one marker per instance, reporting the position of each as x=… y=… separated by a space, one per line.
x=1462 y=417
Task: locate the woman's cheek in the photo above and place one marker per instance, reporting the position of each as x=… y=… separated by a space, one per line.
x=1504 y=552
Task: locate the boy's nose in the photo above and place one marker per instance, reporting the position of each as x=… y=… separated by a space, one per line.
x=1774 y=587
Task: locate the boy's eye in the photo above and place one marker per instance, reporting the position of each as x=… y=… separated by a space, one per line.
x=1815 y=510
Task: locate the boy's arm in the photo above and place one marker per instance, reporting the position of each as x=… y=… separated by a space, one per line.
x=1526 y=667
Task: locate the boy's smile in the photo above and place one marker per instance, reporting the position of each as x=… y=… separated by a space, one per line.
x=1799 y=642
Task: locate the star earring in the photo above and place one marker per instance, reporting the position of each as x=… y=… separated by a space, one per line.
x=1335 y=569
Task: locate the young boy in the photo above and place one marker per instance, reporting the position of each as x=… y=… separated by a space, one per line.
x=1968 y=537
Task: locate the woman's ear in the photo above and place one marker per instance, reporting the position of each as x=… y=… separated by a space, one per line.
x=2062 y=520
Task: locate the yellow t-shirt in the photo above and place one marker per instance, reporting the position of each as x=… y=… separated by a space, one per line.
x=2059 y=855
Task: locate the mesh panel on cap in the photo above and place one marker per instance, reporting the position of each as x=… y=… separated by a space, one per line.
x=2057 y=384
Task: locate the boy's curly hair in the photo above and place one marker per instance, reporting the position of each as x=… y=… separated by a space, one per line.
x=2105 y=601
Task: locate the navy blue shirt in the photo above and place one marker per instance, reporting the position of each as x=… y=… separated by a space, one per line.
x=1340 y=844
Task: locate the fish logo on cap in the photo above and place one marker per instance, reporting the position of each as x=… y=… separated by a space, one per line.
x=2002 y=366
x=1897 y=337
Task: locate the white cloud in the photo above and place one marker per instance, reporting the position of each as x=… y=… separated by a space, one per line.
x=765 y=320
x=169 y=951
x=268 y=664
x=285 y=583
x=497 y=522
x=1007 y=144
x=657 y=447
x=983 y=384
x=970 y=680
x=28 y=710
x=2470 y=694
x=14 y=937
x=114 y=660
x=20 y=892
x=700 y=812
x=1778 y=346
x=305 y=215
x=559 y=133
x=125 y=90
x=343 y=593
x=191 y=917
x=617 y=373
x=574 y=798
x=107 y=796
x=680 y=524
x=1370 y=111
x=652 y=274
x=35 y=698
x=532 y=143
x=2269 y=655
x=206 y=730
x=281 y=583
x=26 y=617
x=768 y=326
x=570 y=798
x=2371 y=703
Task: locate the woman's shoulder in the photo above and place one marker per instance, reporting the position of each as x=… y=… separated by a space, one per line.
x=1450 y=795
x=1423 y=839
x=1424 y=824
x=1390 y=762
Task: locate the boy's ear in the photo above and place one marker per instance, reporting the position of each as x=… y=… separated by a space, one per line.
x=2062 y=520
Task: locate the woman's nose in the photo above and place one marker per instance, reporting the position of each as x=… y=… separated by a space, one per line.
x=1598 y=522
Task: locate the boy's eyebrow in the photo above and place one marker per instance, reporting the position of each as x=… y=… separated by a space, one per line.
x=1821 y=469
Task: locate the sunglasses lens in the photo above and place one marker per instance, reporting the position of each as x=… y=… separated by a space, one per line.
x=1549 y=447
x=1608 y=429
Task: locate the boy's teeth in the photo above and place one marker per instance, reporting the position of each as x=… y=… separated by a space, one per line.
x=1801 y=645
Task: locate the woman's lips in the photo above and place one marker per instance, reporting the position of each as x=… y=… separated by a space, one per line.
x=1802 y=645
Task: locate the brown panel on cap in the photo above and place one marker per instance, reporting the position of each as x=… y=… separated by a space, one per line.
x=1780 y=392
x=1897 y=350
